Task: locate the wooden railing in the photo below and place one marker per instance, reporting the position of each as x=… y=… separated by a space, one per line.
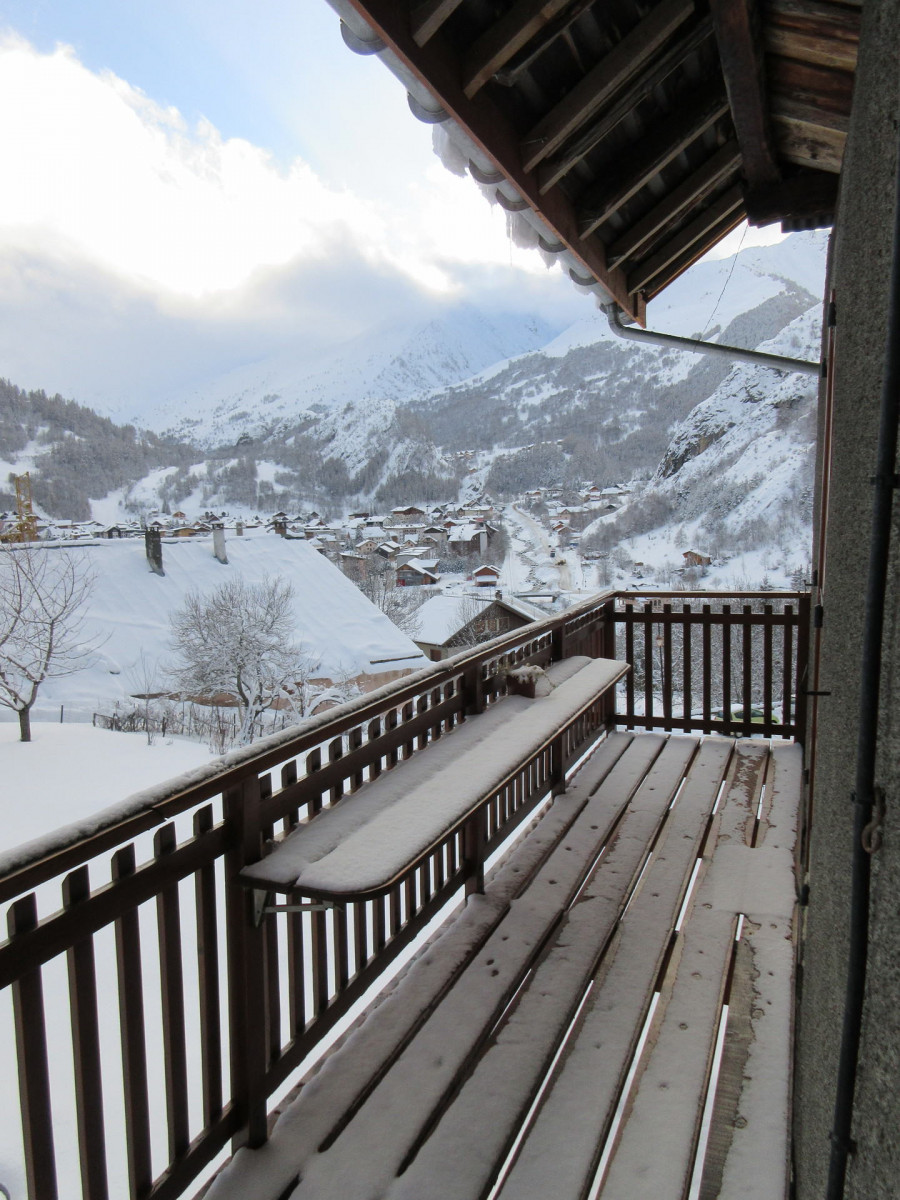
x=714 y=662
x=153 y=1020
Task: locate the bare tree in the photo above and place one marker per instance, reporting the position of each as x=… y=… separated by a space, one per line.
x=43 y=594
x=399 y=604
x=236 y=642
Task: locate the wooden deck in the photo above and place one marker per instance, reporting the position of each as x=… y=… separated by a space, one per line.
x=612 y=1018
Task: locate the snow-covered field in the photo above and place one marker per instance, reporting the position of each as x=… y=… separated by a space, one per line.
x=67 y=772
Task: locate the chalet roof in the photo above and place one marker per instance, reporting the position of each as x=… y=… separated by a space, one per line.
x=630 y=137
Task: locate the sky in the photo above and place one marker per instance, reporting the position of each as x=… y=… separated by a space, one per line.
x=192 y=185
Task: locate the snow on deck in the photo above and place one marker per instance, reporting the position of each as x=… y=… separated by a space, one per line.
x=688 y=910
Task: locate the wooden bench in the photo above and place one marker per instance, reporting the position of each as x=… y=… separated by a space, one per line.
x=359 y=848
x=558 y=1038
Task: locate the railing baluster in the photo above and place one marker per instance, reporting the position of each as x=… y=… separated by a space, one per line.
x=335 y=754
x=354 y=742
x=373 y=733
x=208 y=977
x=360 y=943
x=629 y=658
x=86 y=1048
x=648 y=666
x=787 y=688
x=296 y=973
x=768 y=715
x=341 y=949
x=273 y=989
x=800 y=686
x=667 y=681
x=319 y=949
x=707 y=667
x=686 y=650
x=314 y=764
x=131 y=1020
x=171 y=982
x=34 y=1073
x=726 y=667
x=747 y=680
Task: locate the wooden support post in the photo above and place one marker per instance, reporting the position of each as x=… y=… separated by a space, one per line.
x=246 y=966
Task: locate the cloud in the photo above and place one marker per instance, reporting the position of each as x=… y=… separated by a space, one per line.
x=139 y=253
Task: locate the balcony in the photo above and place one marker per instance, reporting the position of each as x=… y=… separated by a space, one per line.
x=607 y=905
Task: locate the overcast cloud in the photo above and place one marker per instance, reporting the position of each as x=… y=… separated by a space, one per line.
x=139 y=253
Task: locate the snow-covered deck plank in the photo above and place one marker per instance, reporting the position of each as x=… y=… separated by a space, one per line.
x=597 y=1063
x=459 y=1160
x=363 y=844
x=657 y=1146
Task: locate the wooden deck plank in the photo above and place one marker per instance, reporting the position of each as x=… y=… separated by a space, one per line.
x=740 y=879
x=594 y=1070
x=370 y=1151
x=460 y=1161
x=763 y=1110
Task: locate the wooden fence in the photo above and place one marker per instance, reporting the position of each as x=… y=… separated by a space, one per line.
x=152 y=1019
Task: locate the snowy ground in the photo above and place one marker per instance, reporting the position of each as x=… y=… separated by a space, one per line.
x=65 y=773
x=71 y=771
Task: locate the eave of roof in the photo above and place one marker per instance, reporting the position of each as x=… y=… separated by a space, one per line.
x=630 y=138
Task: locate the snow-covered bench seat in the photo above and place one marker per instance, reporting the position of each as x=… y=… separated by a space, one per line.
x=359 y=848
x=654 y=893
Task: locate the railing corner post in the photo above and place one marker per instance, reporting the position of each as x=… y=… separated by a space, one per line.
x=246 y=973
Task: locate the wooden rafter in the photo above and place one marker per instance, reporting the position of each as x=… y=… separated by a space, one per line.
x=687 y=239
x=699 y=183
x=554 y=169
x=427 y=18
x=648 y=157
x=506 y=38
x=602 y=83
x=493 y=133
x=692 y=254
x=743 y=69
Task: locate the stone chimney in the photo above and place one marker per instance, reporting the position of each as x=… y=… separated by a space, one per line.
x=219 y=543
x=153 y=548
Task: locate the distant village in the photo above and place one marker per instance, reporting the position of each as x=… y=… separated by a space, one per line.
x=410 y=547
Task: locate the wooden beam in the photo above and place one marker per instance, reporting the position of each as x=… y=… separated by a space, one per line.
x=724 y=209
x=815 y=19
x=601 y=83
x=811 y=48
x=680 y=264
x=647 y=158
x=701 y=181
x=482 y=120
x=427 y=18
x=506 y=38
x=551 y=171
x=804 y=140
x=811 y=194
x=821 y=87
x=743 y=67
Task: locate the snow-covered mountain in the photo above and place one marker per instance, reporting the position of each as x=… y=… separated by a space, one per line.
x=261 y=399
x=409 y=416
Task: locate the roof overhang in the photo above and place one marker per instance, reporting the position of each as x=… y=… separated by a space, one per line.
x=631 y=137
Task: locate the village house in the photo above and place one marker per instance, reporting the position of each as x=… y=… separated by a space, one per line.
x=445 y=623
x=417 y=573
x=486 y=576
